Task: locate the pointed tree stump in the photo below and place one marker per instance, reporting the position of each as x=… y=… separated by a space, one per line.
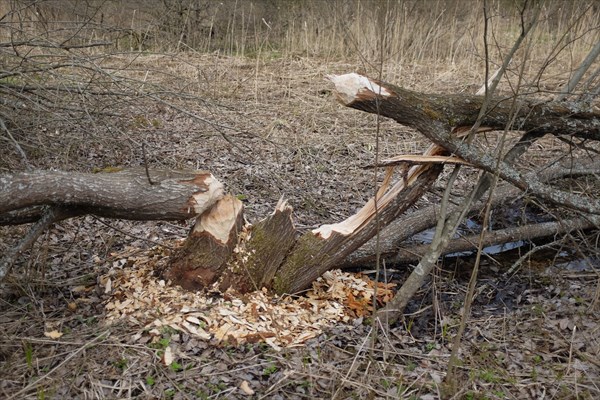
x=209 y=245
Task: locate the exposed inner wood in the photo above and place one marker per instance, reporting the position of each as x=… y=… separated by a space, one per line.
x=209 y=246
x=272 y=253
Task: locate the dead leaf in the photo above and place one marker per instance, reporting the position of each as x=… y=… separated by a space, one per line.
x=360 y=306
x=564 y=323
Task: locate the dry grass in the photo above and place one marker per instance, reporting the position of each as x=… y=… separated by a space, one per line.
x=259 y=114
x=288 y=138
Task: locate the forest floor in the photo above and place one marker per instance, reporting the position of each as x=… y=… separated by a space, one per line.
x=271 y=128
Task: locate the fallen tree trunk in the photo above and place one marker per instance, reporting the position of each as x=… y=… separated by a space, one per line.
x=50 y=196
x=423 y=111
x=439 y=120
x=127 y=194
x=392 y=236
x=436 y=117
x=407 y=254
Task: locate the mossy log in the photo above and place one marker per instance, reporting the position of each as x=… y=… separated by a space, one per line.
x=209 y=246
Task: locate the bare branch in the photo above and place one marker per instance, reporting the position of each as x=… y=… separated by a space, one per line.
x=52 y=215
x=579 y=72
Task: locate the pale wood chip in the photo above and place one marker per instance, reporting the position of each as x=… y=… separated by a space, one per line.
x=246 y=389
x=272 y=342
x=196 y=331
x=167 y=357
x=108 y=286
x=137 y=295
x=53 y=334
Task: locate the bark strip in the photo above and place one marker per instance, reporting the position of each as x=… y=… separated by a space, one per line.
x=525 y=232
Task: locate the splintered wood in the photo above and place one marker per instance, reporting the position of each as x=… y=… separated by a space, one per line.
x=134 y=293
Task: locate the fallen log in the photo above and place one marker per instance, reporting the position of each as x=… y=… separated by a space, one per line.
x=408 y=254
x=126 y=194
x=437 y=117
x=50 y=196
x=393 y=235
x=423 y=111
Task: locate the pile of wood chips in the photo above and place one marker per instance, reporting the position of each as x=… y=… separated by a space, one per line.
x=133 y=291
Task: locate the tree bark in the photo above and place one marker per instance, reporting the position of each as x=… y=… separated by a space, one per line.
x=209 y=246
x=435 y=116
x=126 y=194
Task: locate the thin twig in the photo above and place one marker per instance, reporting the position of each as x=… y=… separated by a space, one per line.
x=146 y=164
x=52 y=215
x=19 y=149
x=570 y=362
x=375 y=322
x=132 y=235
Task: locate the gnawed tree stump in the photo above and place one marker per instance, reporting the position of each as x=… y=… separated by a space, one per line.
x=327 y=247
x=277 y=261
x=261 y=254
x=271 y=257
x=209 y=245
